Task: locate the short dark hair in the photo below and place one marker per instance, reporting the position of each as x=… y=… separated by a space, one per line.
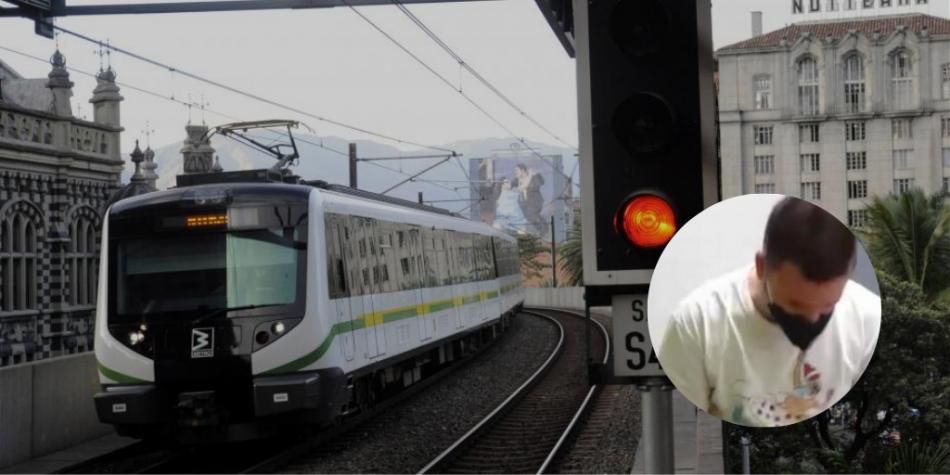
x=809 y=237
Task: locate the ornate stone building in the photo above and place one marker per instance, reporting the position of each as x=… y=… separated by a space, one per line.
x=838 y=111
x=56 y=173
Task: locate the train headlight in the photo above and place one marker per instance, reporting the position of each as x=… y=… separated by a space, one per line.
x=136 y=338
x=279 y=328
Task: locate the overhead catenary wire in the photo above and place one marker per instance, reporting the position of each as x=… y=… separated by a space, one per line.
x=471 y=70
x=448 y=83
x=172 y=99
x=245 y=93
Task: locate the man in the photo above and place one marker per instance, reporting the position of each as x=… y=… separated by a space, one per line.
x=782 y=340
x=530 y=200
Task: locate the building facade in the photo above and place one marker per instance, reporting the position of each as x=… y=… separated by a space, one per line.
x=56 y=173
x=838 y=111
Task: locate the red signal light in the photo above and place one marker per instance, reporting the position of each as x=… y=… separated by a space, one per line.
x=646 y=221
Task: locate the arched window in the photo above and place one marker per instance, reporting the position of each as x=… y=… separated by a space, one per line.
x=902 y=80
x=808 y=103
x=18 y=263
x=6 y=266
x=83 y=259
x=854 y=86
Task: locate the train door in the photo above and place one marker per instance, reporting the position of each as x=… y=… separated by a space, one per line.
x=377 y=264
x=362 y=305
x=494 y=286
x=435 y=301
x=481 y=257
x=339 y=289
x=413 y=252
x=455 y=273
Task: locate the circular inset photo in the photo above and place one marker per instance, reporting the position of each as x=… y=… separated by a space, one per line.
x=764 y=310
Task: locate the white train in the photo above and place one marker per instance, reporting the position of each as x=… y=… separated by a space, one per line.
x=228 y=310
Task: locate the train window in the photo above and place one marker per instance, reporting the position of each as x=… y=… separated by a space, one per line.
x=468 y=257
x=415 y=261
x=387 y=256
x=448 y=272
x=428 y=257
x=336 y=272
x=486 y=257
x=346 y=243
x=479 y=258
x=450 y=252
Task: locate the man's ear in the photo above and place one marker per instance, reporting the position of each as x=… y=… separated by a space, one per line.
x=760 y=265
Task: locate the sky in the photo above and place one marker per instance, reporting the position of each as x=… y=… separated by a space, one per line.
x=333 y=64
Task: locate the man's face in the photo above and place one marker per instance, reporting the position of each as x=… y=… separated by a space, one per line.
x=795 y=294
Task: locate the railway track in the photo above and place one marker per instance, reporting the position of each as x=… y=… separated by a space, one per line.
x=261 y=456
x=529 y=430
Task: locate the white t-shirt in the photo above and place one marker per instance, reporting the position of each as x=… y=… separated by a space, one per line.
x=730 y=361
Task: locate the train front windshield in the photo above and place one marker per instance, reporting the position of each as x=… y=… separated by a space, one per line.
x=207 y=271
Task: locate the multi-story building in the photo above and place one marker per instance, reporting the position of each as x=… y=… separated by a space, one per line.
x=838 y=111
x=56 y=172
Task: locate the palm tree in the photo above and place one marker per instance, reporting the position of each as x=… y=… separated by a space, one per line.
x=529 y=246
x=571 y=256
x=908 y=235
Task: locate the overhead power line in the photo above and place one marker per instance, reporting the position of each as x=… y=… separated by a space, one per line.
x=460 y=92
x=468 y=67
x=244 y=93
x=148 y=92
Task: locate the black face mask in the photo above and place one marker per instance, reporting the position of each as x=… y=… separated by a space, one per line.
x=797 y=328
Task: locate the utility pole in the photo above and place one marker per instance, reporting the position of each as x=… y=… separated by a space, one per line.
x=353 y=165
x=553 y=253
x=420 y=198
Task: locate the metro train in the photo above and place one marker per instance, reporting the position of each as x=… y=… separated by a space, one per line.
x=229 y=310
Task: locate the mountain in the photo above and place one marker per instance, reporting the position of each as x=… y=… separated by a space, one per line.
x=448 y=180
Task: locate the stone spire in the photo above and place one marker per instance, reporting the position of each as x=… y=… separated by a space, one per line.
x=137 y=158
x=60 y=85
x=149 y=167
x=106 y=98
x=138 y=185
x=198 y=153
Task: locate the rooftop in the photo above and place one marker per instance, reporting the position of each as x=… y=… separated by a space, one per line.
x=837 y=29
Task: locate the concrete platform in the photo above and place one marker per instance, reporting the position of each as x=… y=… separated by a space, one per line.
x=697 y=440
x=64 y=458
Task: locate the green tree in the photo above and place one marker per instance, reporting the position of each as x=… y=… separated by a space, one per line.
x=529 y=246
x=571 y=256
x=926 y=457
x=908 y=236
x=903 y=391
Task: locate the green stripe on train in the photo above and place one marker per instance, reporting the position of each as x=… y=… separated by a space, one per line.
x=397 y=314
x=117 y=376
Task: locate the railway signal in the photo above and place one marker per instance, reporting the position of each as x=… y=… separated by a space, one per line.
x=647 y=131
x=648 y=164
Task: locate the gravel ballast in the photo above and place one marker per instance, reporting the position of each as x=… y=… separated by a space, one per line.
x=413 y=433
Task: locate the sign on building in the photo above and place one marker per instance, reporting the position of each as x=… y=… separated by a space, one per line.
x=845 y=8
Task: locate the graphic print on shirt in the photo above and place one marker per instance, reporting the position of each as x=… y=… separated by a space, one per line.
x=779 y=409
